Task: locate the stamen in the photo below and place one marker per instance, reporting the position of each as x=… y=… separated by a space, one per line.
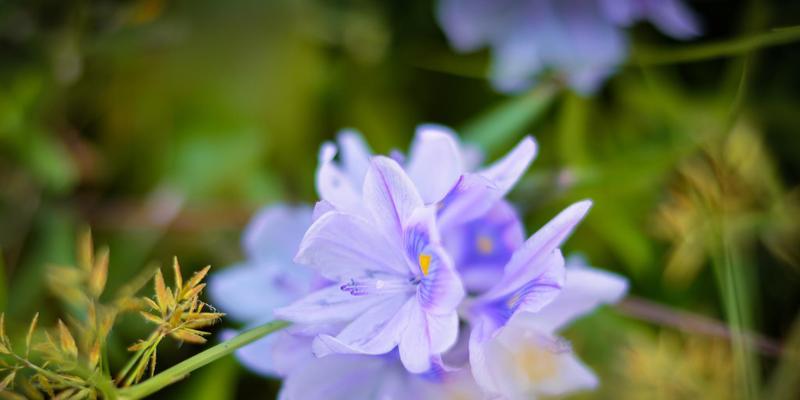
x=371 y=286
x=425 y=263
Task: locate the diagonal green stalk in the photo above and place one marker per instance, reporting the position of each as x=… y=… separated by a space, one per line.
x=726 y=48
x=736 y=292
x=182 y=369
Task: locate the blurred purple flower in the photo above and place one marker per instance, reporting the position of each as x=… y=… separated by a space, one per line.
x=249 y=292
x=397 y=285
x=581 y=40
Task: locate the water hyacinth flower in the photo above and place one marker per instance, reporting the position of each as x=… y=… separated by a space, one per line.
x=582 y=41
x=396 y=287
x=393 y=252
x=523 y=357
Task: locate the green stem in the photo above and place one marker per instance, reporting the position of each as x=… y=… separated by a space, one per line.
x=180 y=370
x=732 y=47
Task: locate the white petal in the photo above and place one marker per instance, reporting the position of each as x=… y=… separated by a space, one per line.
x=390 y=196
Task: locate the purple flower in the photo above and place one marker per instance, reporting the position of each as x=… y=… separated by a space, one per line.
x=473 y=218
x=581 y=40
x=396 y=287
x=513 y=350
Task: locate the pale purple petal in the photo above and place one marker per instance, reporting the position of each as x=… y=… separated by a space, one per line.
x=341 y=246
x=256 y=356
x=289 y=351
x=537 y=288
x=321 y=208
x=673 y=18
x=355 y=155
x=434 y=162
x=415 y=344
x=470 y=24
x=584 y=290
x=333 y=185
x=274 y=233
x=328 y=305
x=390 y=195
x=340 y=377
x=248 y=292
x=443 y=331
x=471 y=197
x=376 y=331
x=525 y=262
x=505 y=172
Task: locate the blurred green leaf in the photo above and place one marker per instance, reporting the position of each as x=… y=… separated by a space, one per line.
x=496 y=129
x=216 y=381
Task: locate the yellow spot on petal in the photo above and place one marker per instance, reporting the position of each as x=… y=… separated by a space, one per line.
x=485 y=244
x=425 y=263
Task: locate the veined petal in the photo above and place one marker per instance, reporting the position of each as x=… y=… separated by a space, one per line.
x=538 y=289
x=274 y=233
x=471 y=197
x=584 y=290
x=505 y=172
x=434 y=163
x=390 y=196
x=526 y=262
x=376 y=331
x=327 y=305
x=440 y=291
x=333 y=185
x=342 y=246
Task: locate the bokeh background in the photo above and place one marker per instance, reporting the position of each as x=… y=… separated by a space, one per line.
x=164 y=125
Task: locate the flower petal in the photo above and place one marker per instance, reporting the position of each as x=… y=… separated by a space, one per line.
x=415 y=344
x=525 y=264
x=505 y=172
x=255 y=356
x=434 y=163
x=274 y=233
x=355 y=155
x=334 y=185
x=342 y=246
x=376 y=331
x=327 y=305
x=584 y=290
x=248 y=292
x=390 y=195
x=471 y=197
x=340 y=377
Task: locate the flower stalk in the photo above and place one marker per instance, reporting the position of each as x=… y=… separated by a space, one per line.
x=182 y=369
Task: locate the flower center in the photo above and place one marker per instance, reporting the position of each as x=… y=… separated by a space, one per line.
x=485 y=244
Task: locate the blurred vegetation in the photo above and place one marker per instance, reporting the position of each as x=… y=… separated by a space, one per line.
x=165 y=125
